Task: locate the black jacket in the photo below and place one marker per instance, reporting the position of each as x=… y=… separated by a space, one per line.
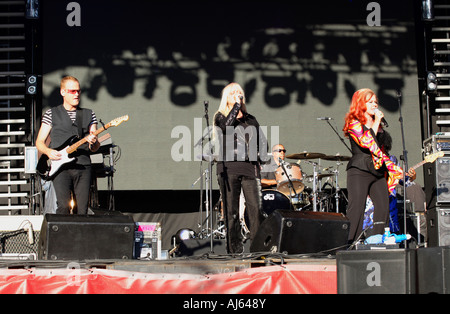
x=362 y=157
x=241 y=140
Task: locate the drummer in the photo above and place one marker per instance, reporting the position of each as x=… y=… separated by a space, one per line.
x=268 y=178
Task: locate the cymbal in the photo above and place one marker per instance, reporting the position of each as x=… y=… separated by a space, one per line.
x=337 y=157
x=321 y=175
x=305 y=155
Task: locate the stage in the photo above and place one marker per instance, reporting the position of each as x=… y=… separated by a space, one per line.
x=68 y=267
x=97 y=254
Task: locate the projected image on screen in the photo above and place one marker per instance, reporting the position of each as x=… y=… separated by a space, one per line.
x=159 y=62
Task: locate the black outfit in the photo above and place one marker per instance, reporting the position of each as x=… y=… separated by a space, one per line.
x=238 y=169
x=268 y=171
x=74 y=176
x=362 y=180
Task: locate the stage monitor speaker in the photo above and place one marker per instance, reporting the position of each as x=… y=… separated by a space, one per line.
x=438 y=226
x=433 y=270
x=300 y=232
x=376 y=271
x=79 y=237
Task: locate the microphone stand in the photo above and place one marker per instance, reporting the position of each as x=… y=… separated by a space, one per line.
x=290 y=185
x=209 y=180
x=340 y=137
x=404 y=157
x=345 y=144
x=315 y=175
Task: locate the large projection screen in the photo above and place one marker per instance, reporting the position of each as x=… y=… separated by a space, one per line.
x=159 y=61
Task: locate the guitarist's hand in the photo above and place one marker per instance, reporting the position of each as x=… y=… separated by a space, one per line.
x=92 y=139
x=412 y=174
x=54 y=155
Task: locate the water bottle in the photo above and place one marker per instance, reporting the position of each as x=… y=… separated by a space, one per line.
x=386 y=235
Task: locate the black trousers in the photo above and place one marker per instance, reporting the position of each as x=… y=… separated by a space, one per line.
x=359 y=185
x=76 y=179
x=230 y=188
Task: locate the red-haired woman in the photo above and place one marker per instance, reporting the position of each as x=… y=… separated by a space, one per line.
x=369 y=171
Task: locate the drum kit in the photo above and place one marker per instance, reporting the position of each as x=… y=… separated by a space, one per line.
x=292 y=192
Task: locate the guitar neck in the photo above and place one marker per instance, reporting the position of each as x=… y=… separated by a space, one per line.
x=74 y=147
x=419 y=164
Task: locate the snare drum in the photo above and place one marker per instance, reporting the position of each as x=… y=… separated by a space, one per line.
x=294 y=173
x=273 y=200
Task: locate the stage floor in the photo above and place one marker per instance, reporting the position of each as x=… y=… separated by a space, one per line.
x=214 y=274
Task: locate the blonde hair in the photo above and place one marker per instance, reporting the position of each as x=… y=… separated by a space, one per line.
x=225 y=107
x=66 y=79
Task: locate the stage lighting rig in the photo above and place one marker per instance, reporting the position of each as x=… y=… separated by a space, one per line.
x=31 y=84
x=431 y=82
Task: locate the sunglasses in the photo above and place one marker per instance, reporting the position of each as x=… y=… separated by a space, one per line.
x=73 y=91
x=279 y=151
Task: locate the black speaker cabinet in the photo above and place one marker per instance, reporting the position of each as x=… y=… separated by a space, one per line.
x=438 y=226
x=298 y=232
x=433 y=270
x=79 y=237
x=376 y=271
x=437 y=182
x=443 y=180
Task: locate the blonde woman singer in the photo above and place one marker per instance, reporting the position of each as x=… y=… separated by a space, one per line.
x=239 y=168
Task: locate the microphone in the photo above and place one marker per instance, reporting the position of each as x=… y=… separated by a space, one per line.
x=324 y=118
x=383 y=120
x=206 y=103
x=241 y=98
x=281 y=161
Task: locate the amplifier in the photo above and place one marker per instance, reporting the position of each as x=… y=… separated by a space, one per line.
x=147 y=240
x=438 y=226
x=437 y=143
x=19 y=234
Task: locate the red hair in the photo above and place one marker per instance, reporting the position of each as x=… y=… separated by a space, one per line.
x=358 y=108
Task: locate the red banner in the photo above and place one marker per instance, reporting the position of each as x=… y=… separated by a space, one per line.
x=285 y=279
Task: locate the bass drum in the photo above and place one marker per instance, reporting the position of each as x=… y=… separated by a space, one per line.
x=273 y=200
x=293 y=174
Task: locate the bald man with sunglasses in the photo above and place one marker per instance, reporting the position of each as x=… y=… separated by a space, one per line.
x=268 y=178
